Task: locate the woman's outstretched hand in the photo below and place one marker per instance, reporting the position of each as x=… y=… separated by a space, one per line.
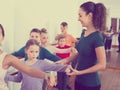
x=70 y=71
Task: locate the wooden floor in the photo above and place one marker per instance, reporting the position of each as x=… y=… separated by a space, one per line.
x=110 y=77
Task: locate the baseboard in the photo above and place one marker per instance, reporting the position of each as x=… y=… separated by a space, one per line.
x=114 y=46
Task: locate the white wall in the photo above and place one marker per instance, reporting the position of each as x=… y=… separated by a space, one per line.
x=20 y=16
x=7 y=20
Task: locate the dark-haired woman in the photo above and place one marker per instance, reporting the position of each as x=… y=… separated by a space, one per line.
x=91 y=53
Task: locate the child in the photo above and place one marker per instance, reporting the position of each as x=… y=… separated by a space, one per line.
x=29 y=83
x=35 y=34
x=62 y=45
x=45 y=43
x=62 y=77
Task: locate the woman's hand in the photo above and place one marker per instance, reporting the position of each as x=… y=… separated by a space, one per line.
x=67 y=70
x=72 y=71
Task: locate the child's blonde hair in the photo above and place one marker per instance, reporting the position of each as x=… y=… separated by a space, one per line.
x=60 y=36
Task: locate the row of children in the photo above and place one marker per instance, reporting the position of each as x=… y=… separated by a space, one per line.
x=48 y=51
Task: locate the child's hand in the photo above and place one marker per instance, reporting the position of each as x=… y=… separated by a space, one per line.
x=73 y=50
x=63 y=61
x=52 y=80
x=47 y=77
x=68 y=70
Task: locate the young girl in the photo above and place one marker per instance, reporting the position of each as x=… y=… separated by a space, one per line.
x=30 y=83
x=7 y=60
x=61 y=76
x=35 y=34
x=61 y=45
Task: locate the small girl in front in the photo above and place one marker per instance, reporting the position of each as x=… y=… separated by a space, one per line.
x=30 y=83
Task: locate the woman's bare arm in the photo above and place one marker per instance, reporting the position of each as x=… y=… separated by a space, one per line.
x=67 y=60
x=100 y=52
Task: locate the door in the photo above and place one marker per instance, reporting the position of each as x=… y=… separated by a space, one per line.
x=114 y=24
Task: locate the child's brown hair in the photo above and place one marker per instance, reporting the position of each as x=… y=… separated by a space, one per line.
x=60 y=36
x=31 y=42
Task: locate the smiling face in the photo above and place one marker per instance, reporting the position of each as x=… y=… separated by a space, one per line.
x=32 y=52
x=85 y=19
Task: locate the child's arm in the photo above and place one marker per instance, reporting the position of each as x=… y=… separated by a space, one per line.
x=47 y=66
x=68 y=50
x=15 y=78
x=19 y=53
x=69 y=59
x=10 y=60
x=44 y=53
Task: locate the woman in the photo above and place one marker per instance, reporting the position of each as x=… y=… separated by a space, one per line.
x=91 y=53
x=7 y=60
